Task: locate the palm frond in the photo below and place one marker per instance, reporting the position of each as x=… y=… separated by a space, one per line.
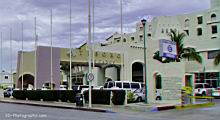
x=217 y=60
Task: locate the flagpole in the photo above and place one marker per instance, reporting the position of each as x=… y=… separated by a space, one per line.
x=93 y=34
x=11 y=56
x=89 y=48
x=122 y=37
x=35 y=34
x=51 y=49
x=1 y=60
x=22 y=56
x=70 y=83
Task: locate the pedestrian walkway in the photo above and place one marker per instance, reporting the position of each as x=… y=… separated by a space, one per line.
x=133 y=107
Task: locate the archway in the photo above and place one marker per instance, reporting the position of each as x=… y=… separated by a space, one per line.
x=28 y=80
x=137 y=72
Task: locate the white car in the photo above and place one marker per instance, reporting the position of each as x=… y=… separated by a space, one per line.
x=139 y=95
x=216 y=92
x=202 y=89
x=62 y=87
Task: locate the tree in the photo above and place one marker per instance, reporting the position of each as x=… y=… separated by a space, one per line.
x=182 y=52
x=217 y=60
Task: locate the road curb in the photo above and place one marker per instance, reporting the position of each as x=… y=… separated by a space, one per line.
x=162 y=108
x=59 y=106
x=191 y=106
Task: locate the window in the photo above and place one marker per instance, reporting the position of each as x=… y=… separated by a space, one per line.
x=141 y=28
x=162 y=31
x=132 y=38
x=110 y=84
x=126 y=85
x=187 y=23
x=167 y=31
x=198 y=86
x=200 y=20
x=135 y=85
x=199 y=31
x=149 y=35
x=214 y=29
x=213 y=54
x=213 y=17
x=124 y=40
x=118 y=84
x=6 y=77
x=105 y=85
x=150 y=27
x=207 y=86
x=141 y=38
x=187 y=32
x=158 y=82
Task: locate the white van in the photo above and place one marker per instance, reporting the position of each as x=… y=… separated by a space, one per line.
x=122 y=85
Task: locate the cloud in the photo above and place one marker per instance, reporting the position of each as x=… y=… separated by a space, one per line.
x=107 y=19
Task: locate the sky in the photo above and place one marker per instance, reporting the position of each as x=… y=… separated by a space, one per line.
x=106 y=21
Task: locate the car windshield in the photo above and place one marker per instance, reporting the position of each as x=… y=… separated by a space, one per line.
x=198 y=86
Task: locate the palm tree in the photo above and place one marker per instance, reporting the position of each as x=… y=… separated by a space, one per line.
x=182 y=52
x=191 y=54
x=217 y=60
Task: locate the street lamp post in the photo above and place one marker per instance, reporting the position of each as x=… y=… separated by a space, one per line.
x=144 y=21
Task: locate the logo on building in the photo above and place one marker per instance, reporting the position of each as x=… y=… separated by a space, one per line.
x=168 y=49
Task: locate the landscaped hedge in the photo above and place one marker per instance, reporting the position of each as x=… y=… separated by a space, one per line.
x=118 y=97
x=33 y=94
x=46 y=95
x=19 y=94
x=49 y=95
x=98 y=96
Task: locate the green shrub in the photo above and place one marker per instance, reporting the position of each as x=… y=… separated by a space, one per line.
x=49 y=95
x=71 y=95
x=118 y=97
x=130 y=97
x=98 y=96
x=33 y=94
x=19 y=94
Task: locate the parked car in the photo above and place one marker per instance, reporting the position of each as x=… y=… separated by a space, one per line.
x=139 y=95
x=62 y=87
x=126 y=85
x=8 y=92
x=82 y=88
x=202 y=89
x=216 y=92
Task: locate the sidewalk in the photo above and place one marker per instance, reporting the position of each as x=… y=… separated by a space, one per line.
x=133 y=107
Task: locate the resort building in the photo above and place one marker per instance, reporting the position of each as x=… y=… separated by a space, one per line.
x=121 y=57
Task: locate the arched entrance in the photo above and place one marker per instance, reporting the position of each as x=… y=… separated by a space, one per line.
x=28 y=80
x=137 y=72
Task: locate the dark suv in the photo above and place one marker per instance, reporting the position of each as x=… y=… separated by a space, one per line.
x=8 y=92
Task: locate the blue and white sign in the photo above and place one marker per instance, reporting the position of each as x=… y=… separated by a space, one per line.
x=168 y=49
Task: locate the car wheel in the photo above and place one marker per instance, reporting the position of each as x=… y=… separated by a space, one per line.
x=139 y=99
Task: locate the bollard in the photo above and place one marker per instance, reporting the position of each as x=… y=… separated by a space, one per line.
x=182 y=98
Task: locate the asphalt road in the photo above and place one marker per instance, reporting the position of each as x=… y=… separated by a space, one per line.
x=25 y=112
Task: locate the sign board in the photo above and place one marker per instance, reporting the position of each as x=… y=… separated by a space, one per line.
x=168 y=49
x=171 y=88
x=90 y=77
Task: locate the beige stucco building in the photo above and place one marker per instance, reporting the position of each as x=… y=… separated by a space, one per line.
x=121 y=57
